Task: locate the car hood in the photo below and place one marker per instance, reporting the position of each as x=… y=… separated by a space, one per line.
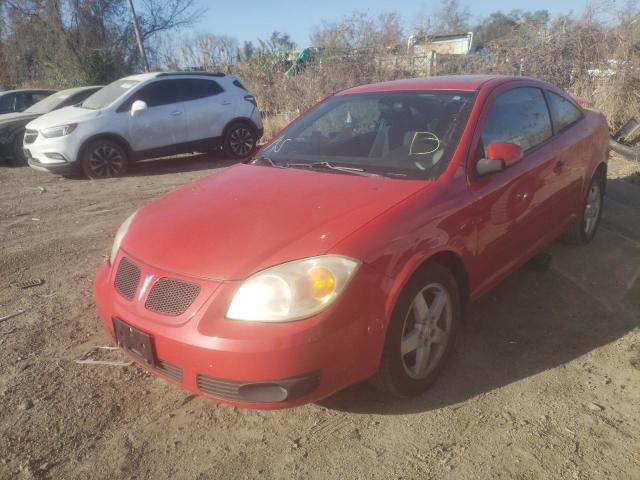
x=63 y=116
x=247 y=218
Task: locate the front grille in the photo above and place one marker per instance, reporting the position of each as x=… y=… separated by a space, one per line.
x=169 y=370
x=127 y=278
x=30 y=136
x=171 y=297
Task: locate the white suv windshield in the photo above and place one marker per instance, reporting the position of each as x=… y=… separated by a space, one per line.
x=399 y=134
x=109 y=94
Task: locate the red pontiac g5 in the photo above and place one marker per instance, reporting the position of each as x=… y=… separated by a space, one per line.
x=348 y=246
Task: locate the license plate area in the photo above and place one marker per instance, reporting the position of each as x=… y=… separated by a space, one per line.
x=137 y=343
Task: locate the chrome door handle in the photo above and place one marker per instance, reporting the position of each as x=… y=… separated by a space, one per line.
x=175 y=113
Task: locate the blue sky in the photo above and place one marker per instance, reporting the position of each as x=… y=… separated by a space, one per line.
x=252 y=19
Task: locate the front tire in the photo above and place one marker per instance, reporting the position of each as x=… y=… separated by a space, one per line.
x=583 y=231
x=103 y=159
x=240 y=140
x=421 y=333
x=18 y=159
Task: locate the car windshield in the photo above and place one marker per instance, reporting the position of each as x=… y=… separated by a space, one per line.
x=50 y=103
x=109 y=94
x=398 y=134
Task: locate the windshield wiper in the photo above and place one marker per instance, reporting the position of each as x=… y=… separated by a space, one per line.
x=331 y=166
x=265 y=159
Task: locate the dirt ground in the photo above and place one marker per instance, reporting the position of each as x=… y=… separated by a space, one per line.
x=544 y=383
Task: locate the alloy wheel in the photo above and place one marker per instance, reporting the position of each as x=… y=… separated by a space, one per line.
x=241 y=141
x=426 y=331
x=106 y=161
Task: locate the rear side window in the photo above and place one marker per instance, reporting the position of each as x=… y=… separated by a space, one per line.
x=239 y=85
x=197 y=88
x=518 y=116
x=563 y=112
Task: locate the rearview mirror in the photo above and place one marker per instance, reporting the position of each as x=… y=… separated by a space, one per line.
x=499 y=156
x=138 y=107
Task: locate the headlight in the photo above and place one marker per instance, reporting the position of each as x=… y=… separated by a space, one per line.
x=59 y=131
x=293 y=290
x=122 y=231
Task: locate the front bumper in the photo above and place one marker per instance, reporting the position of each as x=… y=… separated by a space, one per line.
x=249 y=364
x=57 y=168
x=56 y=154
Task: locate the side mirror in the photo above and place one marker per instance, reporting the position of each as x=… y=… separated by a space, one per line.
x=138 y=107
x=499 y=157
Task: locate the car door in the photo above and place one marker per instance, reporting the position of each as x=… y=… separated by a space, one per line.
x=208 y=108
x=512 y=208
x=163 y=123
x=571 y=155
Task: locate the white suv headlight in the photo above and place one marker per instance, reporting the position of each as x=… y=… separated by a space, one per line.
x=293 y=290
x=122 y=231
x=59 y=131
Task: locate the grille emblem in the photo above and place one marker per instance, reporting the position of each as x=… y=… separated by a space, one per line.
x=145 y=284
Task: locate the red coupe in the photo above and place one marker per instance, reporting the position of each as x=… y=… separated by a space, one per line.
x=348 y=246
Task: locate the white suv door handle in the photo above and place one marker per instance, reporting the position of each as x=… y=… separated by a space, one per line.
x=175 y=113
x=226 y=102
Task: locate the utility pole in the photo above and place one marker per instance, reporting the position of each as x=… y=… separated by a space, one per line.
x=136 y=27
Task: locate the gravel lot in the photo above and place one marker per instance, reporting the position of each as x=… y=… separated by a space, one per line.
x=545 y=382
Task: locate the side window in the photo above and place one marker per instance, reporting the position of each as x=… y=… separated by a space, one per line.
x=197 y=88
x=156 y=94
x=38 y=96
x=23 y=101
x=563 y=112
x=7 y=103
x=518 y=116
x=238 y=84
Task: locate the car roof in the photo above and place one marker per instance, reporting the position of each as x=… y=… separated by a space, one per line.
x=142 y=77
x=453 y=82
x=36 y=90
x=73 y=91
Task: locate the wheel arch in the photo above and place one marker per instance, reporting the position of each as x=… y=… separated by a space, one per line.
x=601 y=170
x=449 y=259
x=246 y=120
x=114 y=137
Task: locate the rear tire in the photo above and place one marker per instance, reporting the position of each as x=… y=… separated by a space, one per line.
x=240 y=140
x=584 y=229
x=103 y=159
x=18 y=159
x=421 y=332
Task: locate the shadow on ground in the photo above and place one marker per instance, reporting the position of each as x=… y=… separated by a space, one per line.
x=183 y=163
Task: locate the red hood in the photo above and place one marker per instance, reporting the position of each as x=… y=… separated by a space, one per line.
x=247 y=218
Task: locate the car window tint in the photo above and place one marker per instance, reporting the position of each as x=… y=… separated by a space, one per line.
x=162 y=92
x=238 y=84
x=197 y=88
x=39 y=96
x=518 y=116
x=7 y=103
x=563 y=112
x=23 y=101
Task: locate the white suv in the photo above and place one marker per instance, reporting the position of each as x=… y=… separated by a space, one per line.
x=145 y=116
